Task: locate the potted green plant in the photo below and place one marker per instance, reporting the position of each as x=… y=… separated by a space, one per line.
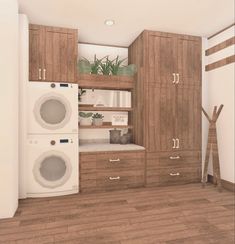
x=85 y=118
x=105 y=67
x=115 y=65
x=97 y=119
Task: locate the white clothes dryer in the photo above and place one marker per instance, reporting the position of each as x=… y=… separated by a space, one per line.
x=52 y=165
x=52 y=108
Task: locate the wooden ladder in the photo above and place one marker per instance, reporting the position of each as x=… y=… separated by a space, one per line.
x=212 y=146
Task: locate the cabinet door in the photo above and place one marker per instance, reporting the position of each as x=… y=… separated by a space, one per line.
x=189 y=61
x=188 y=119
x=60 y=55
x=162 y=58
x=160 y=121
x=35 y=52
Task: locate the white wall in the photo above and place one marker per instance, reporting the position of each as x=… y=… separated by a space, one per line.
x=8 y=108
x=23 y=80
x=220 y=87
x=88 y=51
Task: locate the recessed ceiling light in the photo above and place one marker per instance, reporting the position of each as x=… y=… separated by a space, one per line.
x=109 y=22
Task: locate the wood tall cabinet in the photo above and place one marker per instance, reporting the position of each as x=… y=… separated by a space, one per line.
x=52 y=54
x=167 y=105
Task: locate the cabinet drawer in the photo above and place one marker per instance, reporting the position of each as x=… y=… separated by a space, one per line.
x=173 y=159
x=111 y=170
x=171 y=176
x=120 y=164
x=180 y=175
x=111 y=156
x=119 y=180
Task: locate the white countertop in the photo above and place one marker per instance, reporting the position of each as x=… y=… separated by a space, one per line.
x=101 y=147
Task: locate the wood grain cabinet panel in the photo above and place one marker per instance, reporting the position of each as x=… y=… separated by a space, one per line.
x=160 y=119
x=162 y=61
x=165 y=168
x=188 y=119
x=36 y=43
x=168 y=104
x=57 y=52
x=189 y=61
x=111 y=170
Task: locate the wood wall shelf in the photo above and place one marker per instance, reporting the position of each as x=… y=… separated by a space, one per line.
x=114 y=109
x=106 y=125
x=106 y=82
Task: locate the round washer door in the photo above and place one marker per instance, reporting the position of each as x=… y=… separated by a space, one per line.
x=52 y=111
x=52 y=169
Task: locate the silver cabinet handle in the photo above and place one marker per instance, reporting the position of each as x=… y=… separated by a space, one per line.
x=39 y=74
x=173 y=143
x=114 y=178
x=174 y=157
x=175 y=174
x=174 y=78
x=177 y=143
x=178 y=78
x=114 y=160
x=44 y=74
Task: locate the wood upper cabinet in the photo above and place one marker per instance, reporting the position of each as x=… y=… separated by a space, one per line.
x=162 y=61
x=189 y=61
x=170 y=67
x=53 y=53
x=35 y=52
x=174 y=59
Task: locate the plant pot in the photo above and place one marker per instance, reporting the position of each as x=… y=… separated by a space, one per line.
x=85 y=121
x=97 y=122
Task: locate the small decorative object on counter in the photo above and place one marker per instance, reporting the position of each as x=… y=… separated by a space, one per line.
x=126 y=138
x=119 y=119
x=85 y=118
x=115 y=136
x=129 y=136
x=97 y=119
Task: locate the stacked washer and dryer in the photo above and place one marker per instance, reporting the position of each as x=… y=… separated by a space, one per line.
x=48 y=138
x=52 y=139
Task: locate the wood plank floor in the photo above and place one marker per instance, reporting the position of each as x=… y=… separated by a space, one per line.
x=170 y=215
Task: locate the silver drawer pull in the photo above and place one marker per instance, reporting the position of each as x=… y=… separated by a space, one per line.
x=174 y=78
x=39 y=74
x=174 y=174
x=174 y=157
x=174 y=140
x=178 y=78
x=177 y=143
x=114 y=178
x=114 y=160
x=44 y=74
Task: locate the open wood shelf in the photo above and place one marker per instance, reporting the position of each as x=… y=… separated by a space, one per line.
x=106 y=125
x=114 y=109
x=106 y=82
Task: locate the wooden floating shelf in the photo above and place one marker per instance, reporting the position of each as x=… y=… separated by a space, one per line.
x=106 y=125
x=114 y=109
x=106 y=82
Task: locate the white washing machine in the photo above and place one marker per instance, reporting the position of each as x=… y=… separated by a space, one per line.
x=52 y=108
x=52 y=165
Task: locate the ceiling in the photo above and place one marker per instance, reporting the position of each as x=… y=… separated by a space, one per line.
x=194 y=17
